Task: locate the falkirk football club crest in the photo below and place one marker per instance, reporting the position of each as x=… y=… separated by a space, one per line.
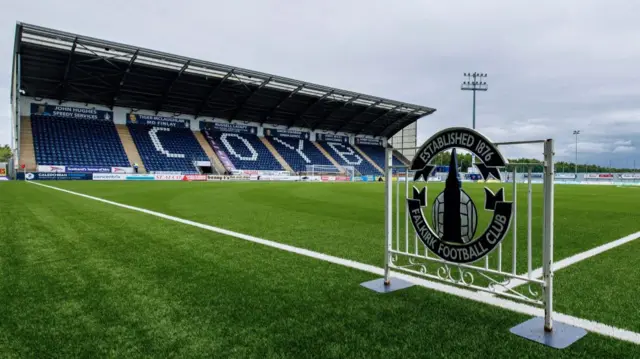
x=452 y=236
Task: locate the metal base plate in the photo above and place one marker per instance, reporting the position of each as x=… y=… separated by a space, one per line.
x=377 y=285
x=561 y=337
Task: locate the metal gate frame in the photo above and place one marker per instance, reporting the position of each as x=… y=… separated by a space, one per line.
x=500 y=287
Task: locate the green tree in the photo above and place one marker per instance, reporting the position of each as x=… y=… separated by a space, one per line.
x=522 y=164
x=5 y=153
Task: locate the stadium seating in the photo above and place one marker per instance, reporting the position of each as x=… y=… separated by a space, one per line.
x=346 y=155
x=75 y=142
x=245 y=151
x=167 y=149
x=299 y=153
x=376 y=153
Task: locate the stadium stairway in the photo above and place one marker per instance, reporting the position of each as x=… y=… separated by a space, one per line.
x=275 y=154
x=217 y=165
x=366 y=157
x=27 y=151
x=346 y=155
x=130 y=147
x=328 y=156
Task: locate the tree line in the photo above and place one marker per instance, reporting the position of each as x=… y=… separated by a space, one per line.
x=521 y=164
x=5 y=153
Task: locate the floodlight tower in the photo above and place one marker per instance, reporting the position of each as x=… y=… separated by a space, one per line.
x=474 y=83
x=576 y=133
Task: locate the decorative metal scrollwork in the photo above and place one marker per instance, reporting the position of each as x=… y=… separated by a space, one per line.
x=463 y=277
x=496 y=283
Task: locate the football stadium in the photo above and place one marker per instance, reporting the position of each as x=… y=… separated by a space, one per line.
x=163 y=206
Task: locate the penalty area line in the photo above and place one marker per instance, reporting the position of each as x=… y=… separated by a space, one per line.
x=564 y=263
x=522 y=308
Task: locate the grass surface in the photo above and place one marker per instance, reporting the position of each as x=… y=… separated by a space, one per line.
x=85 y=279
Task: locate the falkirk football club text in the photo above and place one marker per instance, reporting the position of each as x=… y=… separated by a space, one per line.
x=462 y=253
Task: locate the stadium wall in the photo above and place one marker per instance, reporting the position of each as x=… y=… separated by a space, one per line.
x=120 y=117
x=406 y=140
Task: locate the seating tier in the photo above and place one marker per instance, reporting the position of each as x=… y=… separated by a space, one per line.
x=245 y=151
x=167 y=149
x=346 y=155
x=77 y=142
x=376 y=153
x=299 y=153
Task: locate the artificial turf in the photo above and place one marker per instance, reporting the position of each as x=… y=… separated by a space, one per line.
x=84 y=279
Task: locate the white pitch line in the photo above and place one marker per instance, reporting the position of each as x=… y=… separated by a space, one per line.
x=537 y=273
x=595 y=327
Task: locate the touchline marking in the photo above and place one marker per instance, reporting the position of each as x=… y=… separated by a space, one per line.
x=595 y=327
x=537 y=273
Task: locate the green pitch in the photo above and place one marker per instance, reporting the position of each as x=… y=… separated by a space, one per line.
x=81 y=278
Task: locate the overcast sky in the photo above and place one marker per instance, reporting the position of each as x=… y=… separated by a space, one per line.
x=554 y=66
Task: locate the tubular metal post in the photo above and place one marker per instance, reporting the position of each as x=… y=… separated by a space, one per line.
x=397 y=214
x=406 y=210
x=473 y=125
x=415 y=238
x=500 y=257
x=388 y=215
x=500 y=252
x=529 y=224
x=515 y=222
x=547 y=265
x=426 y=200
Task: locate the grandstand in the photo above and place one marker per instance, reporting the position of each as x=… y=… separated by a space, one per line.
x=81 y=101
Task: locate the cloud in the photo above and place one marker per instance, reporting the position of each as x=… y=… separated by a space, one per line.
x=623 y=143
x=624 y=149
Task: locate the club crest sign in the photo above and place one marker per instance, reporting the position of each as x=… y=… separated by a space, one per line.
x=454 y=214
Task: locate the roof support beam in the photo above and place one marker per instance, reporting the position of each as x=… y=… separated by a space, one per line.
x=273 y=110
x=353 y=98
x=384 y=132
x=103 y=58
x=165 y=95
x=99 y=78
x=118 y=90
x=347 y=121
x=56 y=81
x=376 y=120
x=243 y=103
x=94 y=77
x=213 y=91
x=65 y=78
x=310 y=107
x=94 y=99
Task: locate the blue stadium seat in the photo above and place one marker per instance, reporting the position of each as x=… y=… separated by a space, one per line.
x=299 y=153
x=246 y=151
x=76 y=142
x=167 y=149
x=376 y=153
x=346 y=155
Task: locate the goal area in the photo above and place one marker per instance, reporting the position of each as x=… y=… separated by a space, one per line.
x=329 y=170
